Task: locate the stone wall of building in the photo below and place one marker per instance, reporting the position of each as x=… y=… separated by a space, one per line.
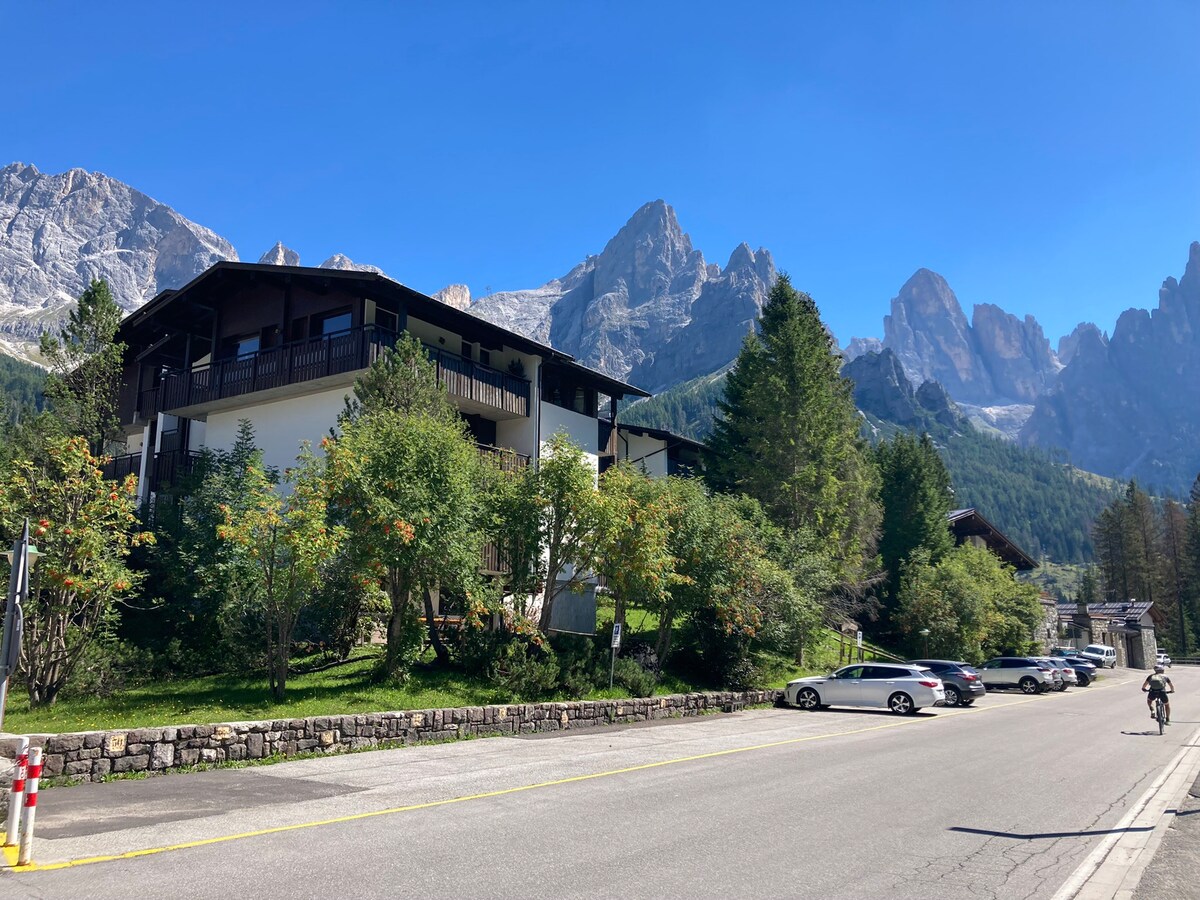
x=93 y=755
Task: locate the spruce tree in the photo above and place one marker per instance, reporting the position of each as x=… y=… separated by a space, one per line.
x=85 y=368
x=916 y=498
x=788 y=434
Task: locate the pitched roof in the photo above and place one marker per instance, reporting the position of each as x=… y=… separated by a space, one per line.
x=215 y=275
x=968 y=522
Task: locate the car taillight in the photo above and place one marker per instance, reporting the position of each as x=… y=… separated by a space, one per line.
x=968 y=677
x=1043 y=669
x=927 y=683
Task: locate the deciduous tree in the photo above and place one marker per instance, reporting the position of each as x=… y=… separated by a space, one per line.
x=85 y=527
x=289 y=543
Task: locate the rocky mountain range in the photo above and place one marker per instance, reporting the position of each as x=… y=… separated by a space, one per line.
x=1130 y=406
x=58 y=232
x=1126 y=407
x=648 y=308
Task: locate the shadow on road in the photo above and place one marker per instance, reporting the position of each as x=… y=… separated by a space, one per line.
x=1049 y=835
x=1153 y=733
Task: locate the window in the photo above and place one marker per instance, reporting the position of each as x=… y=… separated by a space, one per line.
x=851 y=672
x=386 y=320
x=246 y=346
x=467 y=351
x=881 y=672
x=485 y=357
x=334 y=323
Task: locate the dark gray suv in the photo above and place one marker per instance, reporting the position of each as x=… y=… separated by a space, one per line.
x=963 y=684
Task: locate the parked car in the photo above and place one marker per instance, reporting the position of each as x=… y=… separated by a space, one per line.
x=962 y=683
x=1029 y=675
x=1085 y=670
x=900 y=687
x=1065 y=670
x=1162 y=659
x=1101 y=654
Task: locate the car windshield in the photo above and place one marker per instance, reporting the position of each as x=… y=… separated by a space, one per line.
x=1094 y=648
x=927 y=673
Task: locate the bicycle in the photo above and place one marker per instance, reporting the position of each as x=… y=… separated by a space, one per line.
x=1160 y=714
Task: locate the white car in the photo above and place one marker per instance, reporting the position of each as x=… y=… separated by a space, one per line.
x=901 y=688
x=1163 y=660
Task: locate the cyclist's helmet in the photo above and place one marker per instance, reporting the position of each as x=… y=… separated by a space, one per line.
x=1159 y=669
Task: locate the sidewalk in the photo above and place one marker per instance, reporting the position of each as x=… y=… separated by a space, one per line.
x=1172 y=873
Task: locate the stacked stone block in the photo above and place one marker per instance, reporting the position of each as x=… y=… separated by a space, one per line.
x=92 y=755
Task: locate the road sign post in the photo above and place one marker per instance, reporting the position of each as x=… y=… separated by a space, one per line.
x=616 y=645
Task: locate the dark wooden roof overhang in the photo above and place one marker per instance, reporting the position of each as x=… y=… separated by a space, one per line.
x=967 y=523
x=192 y=305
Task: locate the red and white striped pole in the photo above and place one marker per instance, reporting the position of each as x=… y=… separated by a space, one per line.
x=18 y=794
x=25 y=851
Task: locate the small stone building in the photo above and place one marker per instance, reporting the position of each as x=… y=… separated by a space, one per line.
x=1127 y=625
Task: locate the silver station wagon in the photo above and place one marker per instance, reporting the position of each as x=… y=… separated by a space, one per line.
x=901 y=688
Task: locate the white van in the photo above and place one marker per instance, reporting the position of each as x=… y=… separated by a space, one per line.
x=1101 y=654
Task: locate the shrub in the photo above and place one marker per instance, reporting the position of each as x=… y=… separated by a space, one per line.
x=629 y=674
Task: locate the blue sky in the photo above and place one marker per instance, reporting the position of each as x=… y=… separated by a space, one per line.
x=1044 y=157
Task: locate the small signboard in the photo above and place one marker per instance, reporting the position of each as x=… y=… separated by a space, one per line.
x=616 y=638
x=858 y=639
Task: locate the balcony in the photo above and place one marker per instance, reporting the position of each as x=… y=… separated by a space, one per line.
x=214 y=385
x=166 y=468
x=504 y=459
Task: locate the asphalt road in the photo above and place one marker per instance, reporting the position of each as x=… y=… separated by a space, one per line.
x=1003 y=800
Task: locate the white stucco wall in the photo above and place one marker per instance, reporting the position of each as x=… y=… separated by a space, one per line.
x=279 y=427
x=649 y=454
x=582 y=430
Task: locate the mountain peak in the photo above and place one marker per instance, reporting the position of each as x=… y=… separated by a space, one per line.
x=345 y=263
x=279 y=255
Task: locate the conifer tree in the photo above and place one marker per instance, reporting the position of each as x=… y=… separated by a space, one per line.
x=85 y=368
x=788 y=434
x=916 y=498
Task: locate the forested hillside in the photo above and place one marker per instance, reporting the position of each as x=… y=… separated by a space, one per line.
x=23 y=384
x=1044 y=505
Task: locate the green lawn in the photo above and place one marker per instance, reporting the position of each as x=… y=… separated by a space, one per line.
x=340 y=689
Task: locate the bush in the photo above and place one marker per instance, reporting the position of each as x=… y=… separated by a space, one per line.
x=107 y=667
x=580 y=664
x=629 y=674
x=525 y=671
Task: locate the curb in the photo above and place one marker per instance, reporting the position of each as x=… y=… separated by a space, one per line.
x=1114 y=868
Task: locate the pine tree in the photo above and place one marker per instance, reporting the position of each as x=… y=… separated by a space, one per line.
x=916 y=497
x=1173 y=571
x=788 y=434
x=85 y=368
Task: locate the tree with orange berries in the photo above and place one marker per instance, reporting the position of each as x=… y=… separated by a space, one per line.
x=84 y=527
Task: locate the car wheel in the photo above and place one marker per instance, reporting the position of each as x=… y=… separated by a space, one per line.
x=1062 y=687
x=970 y=702
x=953 y=697
x=808 y=699
x=901 y=704
x=1084 y=681
x=1029 y=685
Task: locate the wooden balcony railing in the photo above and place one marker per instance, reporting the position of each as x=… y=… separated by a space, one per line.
x=318 y=357
x=507 y=460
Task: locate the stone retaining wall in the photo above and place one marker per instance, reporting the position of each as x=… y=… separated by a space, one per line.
x=92 y=755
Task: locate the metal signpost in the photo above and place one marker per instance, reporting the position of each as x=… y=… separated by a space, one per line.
x=18 y=590
x=616 y=645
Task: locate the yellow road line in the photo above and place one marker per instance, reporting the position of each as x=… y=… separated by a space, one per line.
x=151 y=851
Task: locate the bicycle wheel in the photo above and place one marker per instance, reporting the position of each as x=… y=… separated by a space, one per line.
x=1161 y=715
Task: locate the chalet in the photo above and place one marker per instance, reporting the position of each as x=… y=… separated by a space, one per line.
x=281 y=346
x=969 y=527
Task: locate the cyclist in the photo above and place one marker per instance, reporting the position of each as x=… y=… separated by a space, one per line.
x=1157 y=684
